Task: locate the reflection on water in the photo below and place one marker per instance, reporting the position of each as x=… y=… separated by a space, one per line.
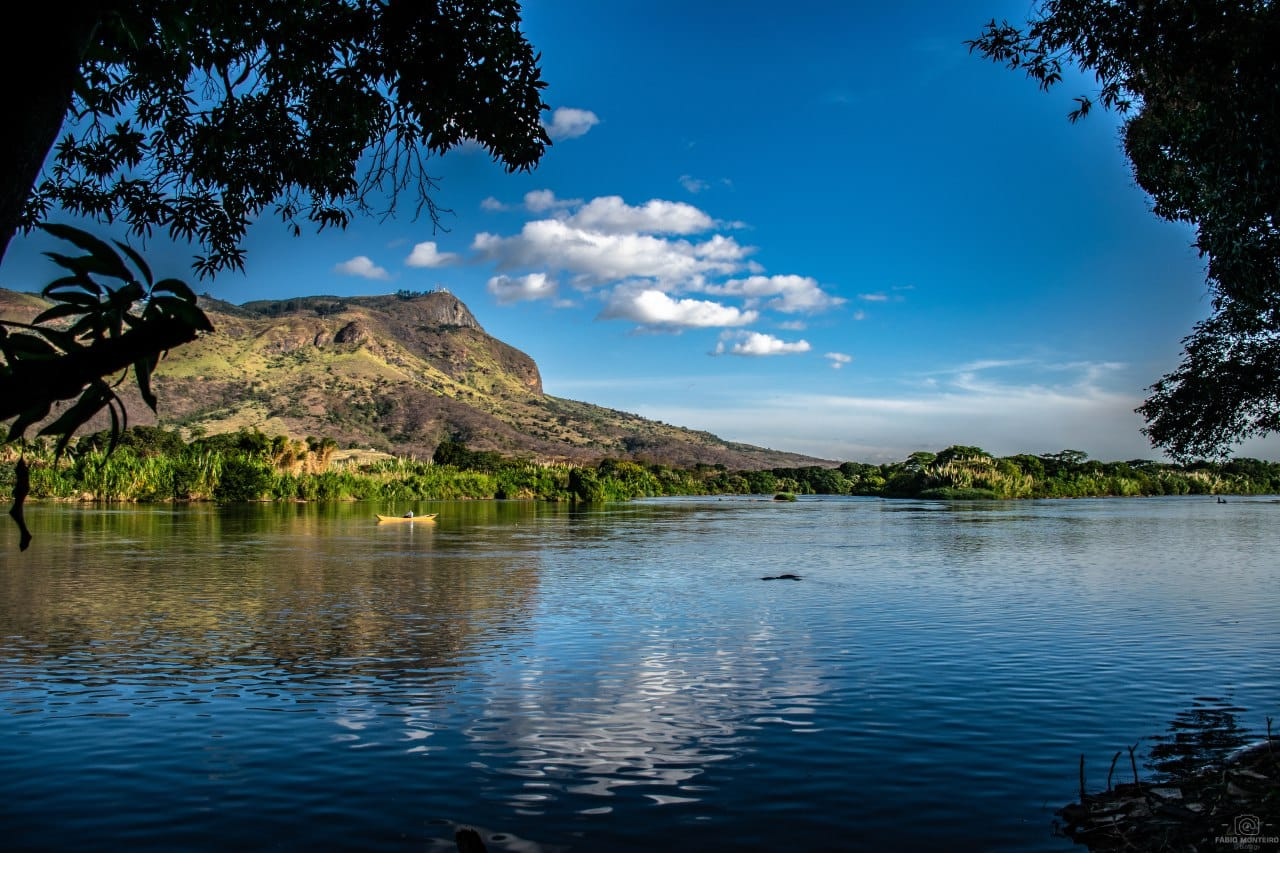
x=1206 y=733
x=650 y=726
x=295 y=677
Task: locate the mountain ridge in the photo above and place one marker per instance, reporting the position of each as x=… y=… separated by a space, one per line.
x=398 y=373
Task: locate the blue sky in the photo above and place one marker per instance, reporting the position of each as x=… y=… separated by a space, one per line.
x=819 y=227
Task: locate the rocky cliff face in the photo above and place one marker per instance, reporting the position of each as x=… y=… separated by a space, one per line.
x=441 y=308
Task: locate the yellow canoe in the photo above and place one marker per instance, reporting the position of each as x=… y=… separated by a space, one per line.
x=420 y=518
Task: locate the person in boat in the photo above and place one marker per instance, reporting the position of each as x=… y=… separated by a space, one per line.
x=409 y=515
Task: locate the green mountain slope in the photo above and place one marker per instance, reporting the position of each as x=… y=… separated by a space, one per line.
x=397 y=373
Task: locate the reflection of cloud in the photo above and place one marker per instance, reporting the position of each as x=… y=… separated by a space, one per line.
x=653 y=718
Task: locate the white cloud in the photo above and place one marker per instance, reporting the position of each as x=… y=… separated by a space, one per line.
x=568 y=123
x=838 y=359
x=427 y=255
x=654 y=307
x=753 y=343
x=1005 y=407
x=874 y=296
x=639 y=258
x=612 y=215
x=493 y=205
x=598 y=258
x=363 y=266
x=544 y=200
x=787 y=293
x=531 y=287
x=693 y=185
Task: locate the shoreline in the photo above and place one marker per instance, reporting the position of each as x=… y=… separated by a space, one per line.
x=1229 y=806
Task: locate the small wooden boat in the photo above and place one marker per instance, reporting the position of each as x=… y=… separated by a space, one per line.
x=419 y=518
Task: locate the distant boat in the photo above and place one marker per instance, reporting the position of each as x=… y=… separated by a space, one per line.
x=421 y=518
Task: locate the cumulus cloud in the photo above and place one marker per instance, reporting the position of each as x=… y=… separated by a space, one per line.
x=787 y=293
x=599 y=258
x=531 y=287
x=427 y=255
x=838 y=359
x=753 y=343
x=363 y=266
x=613 y=215
x=568 y=123
x=544 y=200
x=493 y=205
x=654 y=307
x=637 y=257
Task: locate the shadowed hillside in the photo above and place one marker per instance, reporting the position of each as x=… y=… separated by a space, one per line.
x=398 y=373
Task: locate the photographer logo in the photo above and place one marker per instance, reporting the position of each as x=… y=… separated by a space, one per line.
x=1247 y=829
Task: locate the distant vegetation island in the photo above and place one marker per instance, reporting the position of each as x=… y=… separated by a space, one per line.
x=151 y=464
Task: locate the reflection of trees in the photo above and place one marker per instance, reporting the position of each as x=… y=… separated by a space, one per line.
x=1202 y=735
x=303 y=589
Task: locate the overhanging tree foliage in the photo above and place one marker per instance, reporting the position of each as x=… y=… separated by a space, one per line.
x=194 y=119
x=1198 y=85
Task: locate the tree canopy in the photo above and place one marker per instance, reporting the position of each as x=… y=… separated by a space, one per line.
x=1197 y=83
x=196 y=118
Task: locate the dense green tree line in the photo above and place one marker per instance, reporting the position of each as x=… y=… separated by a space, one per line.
x=154 y=464
x=961 y=472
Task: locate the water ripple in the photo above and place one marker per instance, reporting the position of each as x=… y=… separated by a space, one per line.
x=567 y=679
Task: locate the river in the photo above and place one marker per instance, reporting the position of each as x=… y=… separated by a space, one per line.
x=620 y=677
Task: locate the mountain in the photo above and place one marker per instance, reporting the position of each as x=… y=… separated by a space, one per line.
x=398 y=373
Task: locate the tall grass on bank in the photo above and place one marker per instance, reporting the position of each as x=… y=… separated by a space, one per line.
x=154 y=465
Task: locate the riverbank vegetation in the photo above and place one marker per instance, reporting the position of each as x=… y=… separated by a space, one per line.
x=156 y=464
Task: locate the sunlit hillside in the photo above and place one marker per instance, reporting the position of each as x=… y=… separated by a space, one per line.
x=396 y=373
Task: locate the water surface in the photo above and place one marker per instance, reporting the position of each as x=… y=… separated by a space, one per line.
x=295 y=677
